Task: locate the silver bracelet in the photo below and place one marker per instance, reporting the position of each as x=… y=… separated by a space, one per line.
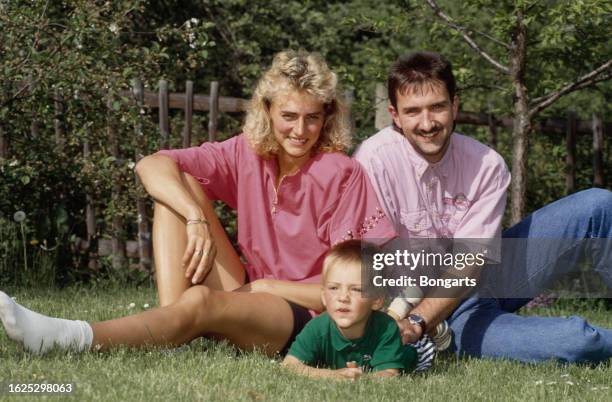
x=197 y=221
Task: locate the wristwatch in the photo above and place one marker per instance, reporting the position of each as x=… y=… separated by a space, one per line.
x=415 y=319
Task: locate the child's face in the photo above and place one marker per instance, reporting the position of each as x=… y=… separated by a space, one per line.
x=342 y=297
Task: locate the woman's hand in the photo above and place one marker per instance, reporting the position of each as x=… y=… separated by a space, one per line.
x=200 y=251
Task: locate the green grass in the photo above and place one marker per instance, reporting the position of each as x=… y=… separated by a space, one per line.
x=212 y=371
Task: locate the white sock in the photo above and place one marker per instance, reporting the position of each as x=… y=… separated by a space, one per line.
x=39 y=333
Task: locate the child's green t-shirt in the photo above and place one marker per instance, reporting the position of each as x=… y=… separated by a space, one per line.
x=320 y=344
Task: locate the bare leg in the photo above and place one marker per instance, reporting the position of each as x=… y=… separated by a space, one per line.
x=170 y=240
x=248 y=320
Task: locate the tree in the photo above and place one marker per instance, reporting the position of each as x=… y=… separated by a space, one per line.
x=525 y=30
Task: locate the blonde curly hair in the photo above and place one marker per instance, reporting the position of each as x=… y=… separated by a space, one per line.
x=301 y=71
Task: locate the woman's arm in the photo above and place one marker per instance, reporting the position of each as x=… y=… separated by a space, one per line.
x=164 y=181
x=307 y=295
x=294 y=364
x=161 y=178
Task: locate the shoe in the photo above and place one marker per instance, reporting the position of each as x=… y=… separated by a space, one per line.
x=443 y=336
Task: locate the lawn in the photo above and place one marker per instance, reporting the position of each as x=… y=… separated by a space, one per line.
x=211 y=371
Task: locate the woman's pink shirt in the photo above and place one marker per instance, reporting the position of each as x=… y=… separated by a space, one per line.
x=284 y=233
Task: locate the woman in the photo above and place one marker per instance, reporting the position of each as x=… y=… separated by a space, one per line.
x=296 y=195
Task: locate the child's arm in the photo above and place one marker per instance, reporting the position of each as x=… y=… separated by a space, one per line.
x=294 y=364
x=386 y=373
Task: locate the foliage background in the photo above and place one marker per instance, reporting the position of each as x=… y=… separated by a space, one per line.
x=88 y=51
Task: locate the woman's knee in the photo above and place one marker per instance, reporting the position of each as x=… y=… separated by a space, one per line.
x=202 y=305
x=196 y=297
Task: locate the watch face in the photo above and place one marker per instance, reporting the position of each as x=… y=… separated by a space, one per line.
x=415 y=319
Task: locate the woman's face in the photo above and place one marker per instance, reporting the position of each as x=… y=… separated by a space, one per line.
x=297 y=119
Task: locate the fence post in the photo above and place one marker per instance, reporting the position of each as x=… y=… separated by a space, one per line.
x=570 y=158
x=492 y=126
x=35 y=125
x=144 y=233
x=598 y=174
x=164 y=126
x=214 y=111
x=90 y=211
x=118 y=232
x=349 y=97
x=383 y=118
x=3 y=144
x=58 y=104
x=188 y=114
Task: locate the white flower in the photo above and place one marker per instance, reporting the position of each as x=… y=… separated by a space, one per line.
x=132 y=305
x=146 y=305
x=194 y=20
x=19 y=216
x=113 y=28
x=191 y=38
x=14 y=163
x=131 y=165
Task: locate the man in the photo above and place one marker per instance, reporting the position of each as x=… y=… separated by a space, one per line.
x=434 y=183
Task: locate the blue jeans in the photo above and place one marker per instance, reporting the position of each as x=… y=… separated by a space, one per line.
x=488 y=327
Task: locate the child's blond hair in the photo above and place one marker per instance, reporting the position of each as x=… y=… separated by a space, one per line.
x=348 y=252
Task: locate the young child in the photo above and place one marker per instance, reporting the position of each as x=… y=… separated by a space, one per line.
x=352 y=337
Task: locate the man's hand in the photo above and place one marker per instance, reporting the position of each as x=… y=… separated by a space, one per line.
x=410 y=332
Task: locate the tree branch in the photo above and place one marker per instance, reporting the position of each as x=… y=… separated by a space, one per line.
x=491 y=38
x=586 y=80
x=464 y=33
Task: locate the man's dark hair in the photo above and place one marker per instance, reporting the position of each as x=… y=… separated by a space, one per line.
x=420 y=68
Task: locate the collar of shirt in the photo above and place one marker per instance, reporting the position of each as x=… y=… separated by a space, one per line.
x=271 y=167
x=421 y=164
x=340 y=342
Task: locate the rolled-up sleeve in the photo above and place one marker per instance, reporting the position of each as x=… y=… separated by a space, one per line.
x=214 y=165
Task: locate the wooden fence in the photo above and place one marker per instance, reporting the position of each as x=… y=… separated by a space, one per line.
x=212 y=103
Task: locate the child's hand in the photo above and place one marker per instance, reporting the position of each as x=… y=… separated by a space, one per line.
x=351 y=372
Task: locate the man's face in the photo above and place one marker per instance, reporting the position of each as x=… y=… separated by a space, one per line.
x=426 y=116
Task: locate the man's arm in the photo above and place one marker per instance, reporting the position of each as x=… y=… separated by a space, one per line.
x=433 y=311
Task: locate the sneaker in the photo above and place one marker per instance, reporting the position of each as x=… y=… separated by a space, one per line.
x=443 y=336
